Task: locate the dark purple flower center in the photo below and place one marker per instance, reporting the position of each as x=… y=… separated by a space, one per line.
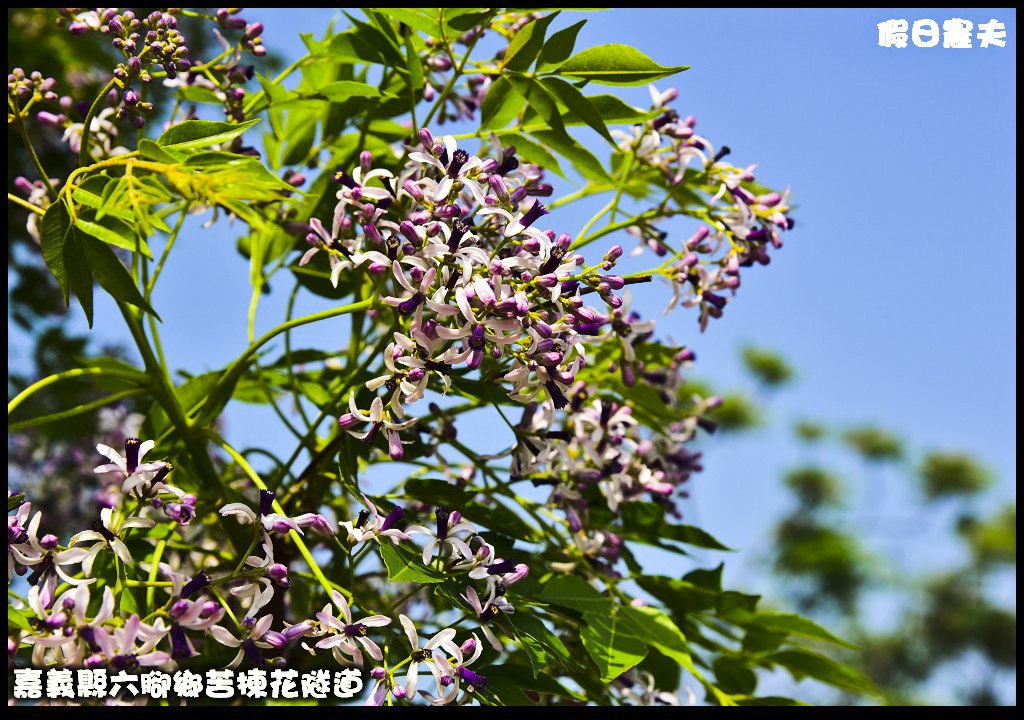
x=194 y=585
x=342 y=177
x=477 y=338
x=442 y=515
x=266 y=502
x=409 y=306
x=479 y=682
x=355 y=630
x=124 y=662
x=131 y=454
x=459 y=158
x=393 y=517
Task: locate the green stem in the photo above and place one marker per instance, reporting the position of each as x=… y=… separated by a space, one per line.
x=68 y=375
x=65 y=414
x=25 y=204
x=284 y=73
x=165 y=393
x=83 y=152
x=154 y=567
x=20 y=123
x=167 y=250
x=292 y=382
x=236 y=368
x=455 y=76
x=295 y=536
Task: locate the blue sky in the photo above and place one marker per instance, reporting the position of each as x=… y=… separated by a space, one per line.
x=893 y=298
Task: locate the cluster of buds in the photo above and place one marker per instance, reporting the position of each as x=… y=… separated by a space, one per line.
x=742 y=223
x=80 y=21
x=227 y=19
x=461 y=102
x=23 y=88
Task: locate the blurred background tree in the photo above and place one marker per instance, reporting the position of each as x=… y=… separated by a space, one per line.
x=826 y=553
x=944 y=625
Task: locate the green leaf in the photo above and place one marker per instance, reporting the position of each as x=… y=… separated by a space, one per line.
x=414 y=64
x=13 y=503
x=797 y=625
x=300 y=133
x=339 y=90
x=53 y=230
x=18 y=619
x=414 y=18
x=464 y=19
x=616 y=65
x=527 y=43
x=610 y=108
x=582 y=159
x=524 y=679
x=437 y=492
x=541 y=645
x=112 y=275
x=801 y=663
x=558 y=47
x=501 y=105
x=193 y=134
x=578 y=104
x=381 y=42
x=78 y=272
x=113 y=232
x=403 y=566
x=614 y=651
x=734 y=675
x=574 y=592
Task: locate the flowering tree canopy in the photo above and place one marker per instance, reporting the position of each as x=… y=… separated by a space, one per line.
x=385 y=543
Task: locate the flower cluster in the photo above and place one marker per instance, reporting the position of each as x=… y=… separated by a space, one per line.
x=742 y=221
x=477 y=285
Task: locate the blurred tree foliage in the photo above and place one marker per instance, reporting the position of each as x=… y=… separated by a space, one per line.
x=827 y=558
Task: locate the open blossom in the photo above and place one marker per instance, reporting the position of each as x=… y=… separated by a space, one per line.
x=276 y=522
x=444 y=639
x=40 y=554
x=345 y=635
x=106 y=532
x=253 y=636
x=371 y=524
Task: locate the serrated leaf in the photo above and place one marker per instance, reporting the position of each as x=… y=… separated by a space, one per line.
x=193 y=134
x=465 y=19
x=614 y=652
x=113 y=232
x=527 y=43
x=53 y=230
x=500 y=106
x=582 y=159
x=112 y=275
x=801 y=663
x=404 y=567
x=531 y=151
x=797 y=625
x=79 y=276
x=542 y=646
x=196 y=94
x=414 y=18
x=414 y=65
x=575 y=592
x=339 y=90
x=558 y=47
x=616 y=65
x=578 y=104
